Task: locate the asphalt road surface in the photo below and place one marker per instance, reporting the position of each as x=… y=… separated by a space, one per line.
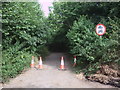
x=51 y=77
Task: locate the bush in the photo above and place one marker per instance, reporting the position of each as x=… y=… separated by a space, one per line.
x=14 y=62
x=24 y=23
x=42 y=51
x=24 y=31
x=89 y=47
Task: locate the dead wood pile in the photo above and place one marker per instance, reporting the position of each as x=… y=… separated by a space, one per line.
x=106 y=75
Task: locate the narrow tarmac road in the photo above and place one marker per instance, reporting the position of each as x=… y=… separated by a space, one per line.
x=51 y=77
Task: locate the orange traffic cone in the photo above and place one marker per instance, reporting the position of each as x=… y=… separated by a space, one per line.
x=74 y=61
x=32 y=62
x=40 y=64
x=62 y=67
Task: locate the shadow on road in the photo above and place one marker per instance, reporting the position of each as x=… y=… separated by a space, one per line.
x=54 y=60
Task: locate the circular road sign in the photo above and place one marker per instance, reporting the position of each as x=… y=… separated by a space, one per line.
x=100 y=29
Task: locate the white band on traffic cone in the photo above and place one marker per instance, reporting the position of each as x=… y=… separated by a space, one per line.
x=32 y=62
x=62 y=62
x=75 y=59
x=40 y=62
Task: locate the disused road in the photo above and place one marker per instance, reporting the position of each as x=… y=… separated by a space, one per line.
x=51 y=77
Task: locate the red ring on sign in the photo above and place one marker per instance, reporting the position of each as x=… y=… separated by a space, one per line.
x=104 y=30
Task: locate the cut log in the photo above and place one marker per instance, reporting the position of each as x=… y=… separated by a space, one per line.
x=104 y=79
x=115 y=79
x=99 y=78
x=106 y=70
x=106 y=75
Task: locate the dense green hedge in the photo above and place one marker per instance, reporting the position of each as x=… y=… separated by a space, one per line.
x=77 y=26
x=23 y=22
x=90 y=48
x=25 y=31
x=14 y=62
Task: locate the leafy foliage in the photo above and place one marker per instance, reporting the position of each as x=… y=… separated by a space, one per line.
x=71 y=26
x=24 y=32
x=90 y=48
x=24 y=23
x=14 y=62
x=78 y=24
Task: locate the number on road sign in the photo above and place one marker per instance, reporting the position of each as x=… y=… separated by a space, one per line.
x=100 y=29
